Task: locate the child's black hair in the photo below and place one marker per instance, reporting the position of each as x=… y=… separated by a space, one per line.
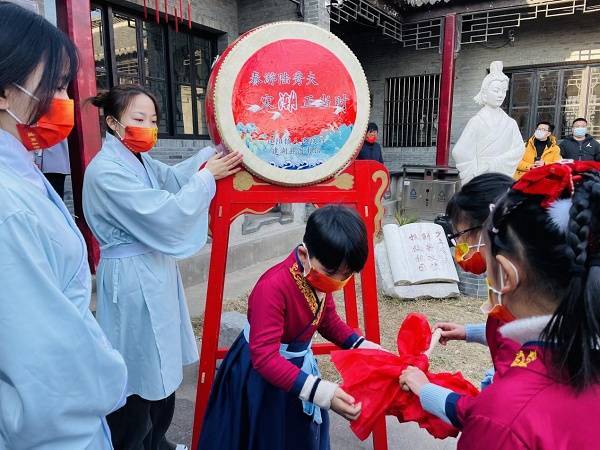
x=27 y=40
x=337 y=237
x=563 y=266
x=471 y=204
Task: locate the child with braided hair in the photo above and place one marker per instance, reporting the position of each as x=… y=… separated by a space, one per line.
x=543 y=258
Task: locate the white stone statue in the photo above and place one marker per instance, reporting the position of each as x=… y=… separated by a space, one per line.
x=491 y=141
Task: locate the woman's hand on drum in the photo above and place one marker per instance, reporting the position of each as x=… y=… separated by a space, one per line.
x=221 y=166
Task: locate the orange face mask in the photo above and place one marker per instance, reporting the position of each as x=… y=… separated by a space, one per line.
x=494 y=309
x=139 y=139
x=475 y=263
x=322 y=282
x=499 y=312
x=51 y=128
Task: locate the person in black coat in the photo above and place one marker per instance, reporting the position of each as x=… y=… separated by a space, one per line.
x=371 y=149
x=580 y=146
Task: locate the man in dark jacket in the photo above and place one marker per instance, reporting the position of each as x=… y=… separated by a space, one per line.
x=371 y=149
x=581 y=146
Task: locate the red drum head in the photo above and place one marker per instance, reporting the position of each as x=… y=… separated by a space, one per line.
x=293 y=99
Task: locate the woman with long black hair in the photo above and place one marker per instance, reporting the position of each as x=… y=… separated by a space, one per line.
x=59 y=376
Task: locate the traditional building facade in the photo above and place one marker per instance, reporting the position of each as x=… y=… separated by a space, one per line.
x=550 y=49
x=424 y=60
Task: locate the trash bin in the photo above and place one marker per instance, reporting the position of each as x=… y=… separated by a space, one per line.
x=390 y=198
x=425 y=191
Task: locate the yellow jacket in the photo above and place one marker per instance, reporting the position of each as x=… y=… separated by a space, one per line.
x=551 y=155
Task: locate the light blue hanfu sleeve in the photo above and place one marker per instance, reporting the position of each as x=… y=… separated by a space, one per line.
x=175 y=224
x=475 y=332
x=172 y=178
x=59 y=376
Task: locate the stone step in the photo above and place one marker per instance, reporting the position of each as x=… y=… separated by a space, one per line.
x=253 y=249
x=237 y=284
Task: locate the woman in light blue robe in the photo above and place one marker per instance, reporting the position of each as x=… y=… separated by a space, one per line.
x=146 y=215
x=59 y=376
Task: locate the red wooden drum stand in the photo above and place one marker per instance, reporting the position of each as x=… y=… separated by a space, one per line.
x=360 y=185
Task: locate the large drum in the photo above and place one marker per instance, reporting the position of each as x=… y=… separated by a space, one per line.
x=293 y=99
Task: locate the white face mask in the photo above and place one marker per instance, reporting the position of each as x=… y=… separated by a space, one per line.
x=541 y=135
x=580 y=131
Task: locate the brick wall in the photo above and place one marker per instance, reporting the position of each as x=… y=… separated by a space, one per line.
x=395 y=157
x=220 y=16
x=472 y=285
x=216 y=14
x=544 y=41
x=253 y=13
x=315 y=12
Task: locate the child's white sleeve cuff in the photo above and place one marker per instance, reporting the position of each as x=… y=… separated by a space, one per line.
x=318 y=391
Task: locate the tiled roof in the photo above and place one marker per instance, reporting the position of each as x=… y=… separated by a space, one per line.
x=417 y=3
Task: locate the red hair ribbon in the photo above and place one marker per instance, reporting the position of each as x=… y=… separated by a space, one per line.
x=554 y=180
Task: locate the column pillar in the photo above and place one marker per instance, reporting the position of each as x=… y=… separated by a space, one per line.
x=446 y=89
x=84 y=142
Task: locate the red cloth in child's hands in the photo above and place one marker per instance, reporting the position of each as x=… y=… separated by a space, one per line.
x=372 y=377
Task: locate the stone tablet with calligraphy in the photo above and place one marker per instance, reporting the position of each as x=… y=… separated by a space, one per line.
x=419 y=253
x=426 y=290
x=293 y=99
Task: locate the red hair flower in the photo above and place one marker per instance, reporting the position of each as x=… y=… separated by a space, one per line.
x=554 y=180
